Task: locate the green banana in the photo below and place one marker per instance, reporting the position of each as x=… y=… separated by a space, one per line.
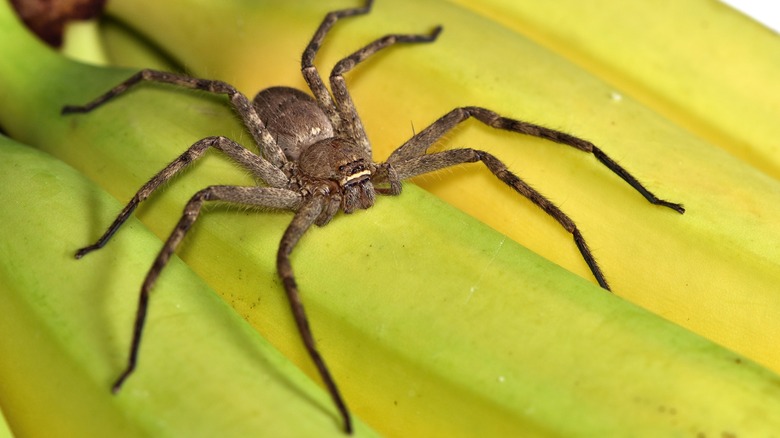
x=5 y=430
x=84 y=43
x=500 y=341
x=65 y=329
x=712 y=270
x=127 y=49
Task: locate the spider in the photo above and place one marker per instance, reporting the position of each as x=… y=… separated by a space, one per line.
x=315 y=160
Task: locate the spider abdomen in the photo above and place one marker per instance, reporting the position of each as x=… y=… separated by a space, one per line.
x=293 y=119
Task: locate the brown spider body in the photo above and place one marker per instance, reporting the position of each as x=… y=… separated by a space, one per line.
x=315 y=159
x=334 y=167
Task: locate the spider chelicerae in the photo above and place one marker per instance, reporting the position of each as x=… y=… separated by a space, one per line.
x=316 y=160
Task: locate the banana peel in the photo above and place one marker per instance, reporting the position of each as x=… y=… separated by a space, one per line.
x=552 y=305
x=712 y=270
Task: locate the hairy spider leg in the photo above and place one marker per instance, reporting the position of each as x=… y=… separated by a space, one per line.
x=307 y=215
x=343 y=114
x=431 y=162
x=241 y=104
x=410 y=159
x=256 y=196
x=309 y=70
x=419 y=143
x=241 y=155
x=344 y=104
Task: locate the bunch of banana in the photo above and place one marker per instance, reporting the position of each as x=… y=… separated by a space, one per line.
x=432 y=323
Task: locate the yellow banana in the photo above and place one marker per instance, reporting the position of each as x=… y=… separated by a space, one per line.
x=712 y=270
x=698 y=63
x=432 y=323
x=65 y=329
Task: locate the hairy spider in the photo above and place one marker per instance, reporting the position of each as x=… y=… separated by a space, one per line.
x=316 y=160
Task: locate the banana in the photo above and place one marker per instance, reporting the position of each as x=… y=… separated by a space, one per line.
x=65 y=329
x=718 y=80
x=84 y=43
x=712 y=270
x=126 y=48
x=432 y=323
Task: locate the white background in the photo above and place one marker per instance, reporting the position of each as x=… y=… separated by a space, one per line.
x=764 y=11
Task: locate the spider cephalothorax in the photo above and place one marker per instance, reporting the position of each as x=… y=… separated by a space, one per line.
x=344 y=165
x=315 y=159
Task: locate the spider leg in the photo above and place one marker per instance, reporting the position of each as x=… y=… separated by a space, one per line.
x=344 y=104
x=431 y=162
x=342 y=112
x=309 y=71
x=418 y=144
x=241 y=104
x=259 y=196
x=246 y=158
x=304 y=218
